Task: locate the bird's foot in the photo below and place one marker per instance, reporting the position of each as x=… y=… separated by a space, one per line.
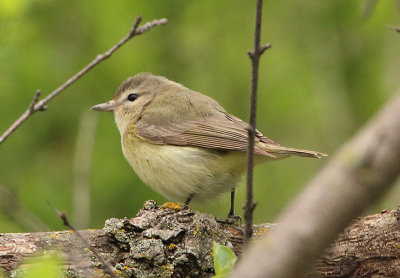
x=231 y=219
x=234 y=218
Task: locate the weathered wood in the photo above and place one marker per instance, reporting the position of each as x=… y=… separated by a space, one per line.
x=369 y=247
x=174 y=241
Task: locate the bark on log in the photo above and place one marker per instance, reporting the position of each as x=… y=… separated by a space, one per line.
x=369 y=247
x=175 y=241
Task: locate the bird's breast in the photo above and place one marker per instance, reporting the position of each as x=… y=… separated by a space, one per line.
x=176 y=171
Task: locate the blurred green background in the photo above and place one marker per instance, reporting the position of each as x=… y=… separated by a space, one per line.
x=333 y=64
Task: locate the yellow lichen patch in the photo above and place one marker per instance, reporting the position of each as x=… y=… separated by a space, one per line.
x=99 y=273
x=55 y=236
x=172 y=205
x=197 y=231
x=172 y=246
x=260 y=231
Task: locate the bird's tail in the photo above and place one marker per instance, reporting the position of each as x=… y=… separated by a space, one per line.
x=281 y=150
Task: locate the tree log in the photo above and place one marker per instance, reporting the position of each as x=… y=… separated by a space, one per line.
x=174 y=241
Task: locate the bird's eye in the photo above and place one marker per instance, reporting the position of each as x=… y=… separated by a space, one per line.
x=132 y=97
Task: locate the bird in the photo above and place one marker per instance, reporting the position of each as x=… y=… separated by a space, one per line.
x=184 y=144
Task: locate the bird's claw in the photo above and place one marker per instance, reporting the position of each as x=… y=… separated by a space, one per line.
x=231 y=219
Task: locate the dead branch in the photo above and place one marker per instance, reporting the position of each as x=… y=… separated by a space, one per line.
x=36 y=105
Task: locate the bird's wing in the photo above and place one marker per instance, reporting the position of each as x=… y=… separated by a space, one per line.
x=221 y=132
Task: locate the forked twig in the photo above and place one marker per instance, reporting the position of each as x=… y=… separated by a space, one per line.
x=36 y=105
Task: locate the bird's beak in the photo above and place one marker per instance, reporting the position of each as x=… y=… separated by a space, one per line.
x=106 y=107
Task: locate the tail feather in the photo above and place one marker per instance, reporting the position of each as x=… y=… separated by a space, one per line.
x=293 y=151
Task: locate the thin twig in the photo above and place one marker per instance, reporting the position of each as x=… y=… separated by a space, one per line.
x=63 y=216
x=395 y=28
x=255 y=58
x=35 y=99
x=40 y=106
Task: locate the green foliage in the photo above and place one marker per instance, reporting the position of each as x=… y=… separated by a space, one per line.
x=12 y=8
x=44 y=266
x=224 y=260
x=328 y=71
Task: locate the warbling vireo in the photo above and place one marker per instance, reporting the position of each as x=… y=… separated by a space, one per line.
x=182 y=143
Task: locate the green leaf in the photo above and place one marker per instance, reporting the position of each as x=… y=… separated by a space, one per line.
x=224 y=260
x=45 y=266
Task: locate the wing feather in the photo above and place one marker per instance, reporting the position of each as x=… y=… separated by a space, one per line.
x=221 y=132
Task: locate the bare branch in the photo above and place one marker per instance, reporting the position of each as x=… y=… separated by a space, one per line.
x=255 y=58
x=64 y=218
x=40 y=106
x=395 y=28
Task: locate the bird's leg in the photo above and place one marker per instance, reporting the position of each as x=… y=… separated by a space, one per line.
x=231 y=214
x=189 y=198
x=232 y=210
